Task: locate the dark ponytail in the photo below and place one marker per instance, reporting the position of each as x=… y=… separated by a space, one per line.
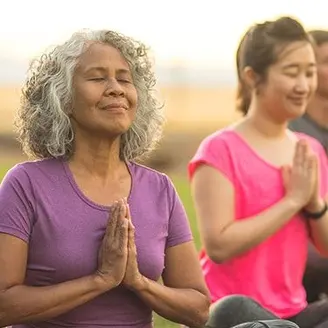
x=243 y=100
x=243 y=97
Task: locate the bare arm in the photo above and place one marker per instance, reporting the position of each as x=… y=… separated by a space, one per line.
x=21 y=304
x=223 y=237
x=319 y=228
x=184 y=297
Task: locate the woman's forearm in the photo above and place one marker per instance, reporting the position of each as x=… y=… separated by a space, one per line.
x=185 y=306
x=243 y=235
x=21 y=304
x=319 y=234
x=319 y=229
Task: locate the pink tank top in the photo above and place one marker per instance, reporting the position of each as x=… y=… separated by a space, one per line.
x=270 y=273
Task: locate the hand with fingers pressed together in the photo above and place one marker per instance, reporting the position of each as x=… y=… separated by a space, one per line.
x=113 y=253
x=118 y=253
x=301 y=179
x=133 y=279
x=316 y=203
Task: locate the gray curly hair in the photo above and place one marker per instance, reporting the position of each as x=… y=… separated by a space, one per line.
x=42 y=122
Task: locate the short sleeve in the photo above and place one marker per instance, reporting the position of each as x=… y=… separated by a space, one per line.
x=213 y=151
x=178 y=229
x=16 y=204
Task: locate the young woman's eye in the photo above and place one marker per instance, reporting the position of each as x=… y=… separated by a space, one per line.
x=310 y=74
x=292 y=74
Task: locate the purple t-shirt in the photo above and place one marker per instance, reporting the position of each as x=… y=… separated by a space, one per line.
x=41 y=204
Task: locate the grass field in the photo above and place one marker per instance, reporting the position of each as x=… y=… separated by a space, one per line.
x=182 y=187
x=3 y=170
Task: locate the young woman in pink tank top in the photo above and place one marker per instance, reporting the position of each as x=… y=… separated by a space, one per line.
x=259 y=189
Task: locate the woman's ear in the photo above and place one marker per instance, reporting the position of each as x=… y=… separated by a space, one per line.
x=250 y=77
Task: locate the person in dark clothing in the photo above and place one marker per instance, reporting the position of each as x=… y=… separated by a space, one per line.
x=243 y=312
x=315 y=123
x=315 y=120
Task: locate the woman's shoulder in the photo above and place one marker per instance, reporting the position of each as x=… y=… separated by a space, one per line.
x=148 y=178
x=142 y=171
x=38 y=164
x=220 y=137
x=30 y=170
x=219 y=144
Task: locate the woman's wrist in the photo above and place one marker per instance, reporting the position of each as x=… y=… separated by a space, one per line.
x=293 y=204
x=139 y=285
x=315 y=206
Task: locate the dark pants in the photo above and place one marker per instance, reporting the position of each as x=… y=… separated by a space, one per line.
x=316 y=275
x=242 y=312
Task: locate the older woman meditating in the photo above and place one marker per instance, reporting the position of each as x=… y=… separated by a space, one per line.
x=85 y=231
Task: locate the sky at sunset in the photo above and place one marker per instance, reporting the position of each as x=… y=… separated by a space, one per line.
x=200 y=35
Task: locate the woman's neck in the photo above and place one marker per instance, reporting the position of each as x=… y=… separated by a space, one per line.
x=265 y=126
x=97 y=158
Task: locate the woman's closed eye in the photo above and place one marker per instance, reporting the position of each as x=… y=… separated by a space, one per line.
x=101 y=79
x=124 y=80
x=292 y=73
x=311 y=73
x=97 y=79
